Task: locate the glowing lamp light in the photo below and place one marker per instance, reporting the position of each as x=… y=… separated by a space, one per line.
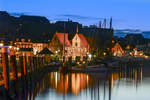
x=90 y=56
x=1 y=44
x=104 y=53
x=83 y=62
x=146 y=56
x=113 y=41
x=141 y=54
x=78 y=63
x=17 y=48
x=10 y=47
x=130 y=53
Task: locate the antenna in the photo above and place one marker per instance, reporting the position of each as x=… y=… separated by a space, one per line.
x=64 y=42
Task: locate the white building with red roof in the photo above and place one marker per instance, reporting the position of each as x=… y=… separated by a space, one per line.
x=76 y=47
x=80 y=46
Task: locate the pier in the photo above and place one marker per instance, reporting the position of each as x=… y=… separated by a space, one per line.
x=17 y=73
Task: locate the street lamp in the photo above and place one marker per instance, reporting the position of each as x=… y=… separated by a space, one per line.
x=1 y=44
x=90 y=56
x=17 y=49
x=56 y=52
x=104 y=53
x=10 y=47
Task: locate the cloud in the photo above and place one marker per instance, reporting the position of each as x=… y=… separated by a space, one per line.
x=79 y=17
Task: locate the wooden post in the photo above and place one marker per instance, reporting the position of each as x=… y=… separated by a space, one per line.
x=21 y=66
x=42 y=61
x=25 y=64
x=13 y=64
x=34 y=63
x=5 y=68
x=37 y=62
x=30 y=63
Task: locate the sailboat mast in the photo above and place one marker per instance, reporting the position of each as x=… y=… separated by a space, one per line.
x=64 y=42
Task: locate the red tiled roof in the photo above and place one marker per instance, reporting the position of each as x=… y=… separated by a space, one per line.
x=84 y=41
x=61 y=38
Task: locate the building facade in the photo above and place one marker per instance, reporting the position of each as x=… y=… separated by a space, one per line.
x=80 y=46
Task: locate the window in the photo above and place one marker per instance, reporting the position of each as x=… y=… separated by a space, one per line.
x=76 y=44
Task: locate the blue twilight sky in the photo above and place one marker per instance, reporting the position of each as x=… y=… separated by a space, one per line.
x=133 y=14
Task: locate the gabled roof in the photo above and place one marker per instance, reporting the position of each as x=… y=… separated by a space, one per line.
x=83 y=40
x=61 y=38
x=117 y=46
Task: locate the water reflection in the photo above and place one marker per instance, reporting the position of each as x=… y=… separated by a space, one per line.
x=73 y=82
x=81 y=86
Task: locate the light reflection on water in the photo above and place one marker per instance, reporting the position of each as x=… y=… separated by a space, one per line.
x=124 y=85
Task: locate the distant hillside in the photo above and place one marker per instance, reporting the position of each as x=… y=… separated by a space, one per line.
x=124 y=32
x=34 y=27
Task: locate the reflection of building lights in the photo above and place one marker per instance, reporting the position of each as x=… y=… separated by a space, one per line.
x=56 y=79
x=112 y=81
x=141 y=74
x=87 y=78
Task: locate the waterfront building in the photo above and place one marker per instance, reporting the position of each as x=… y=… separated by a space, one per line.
x=117 y=50
x=23 y=46
x=28 y=47
x=80 y=46
x=69 y=45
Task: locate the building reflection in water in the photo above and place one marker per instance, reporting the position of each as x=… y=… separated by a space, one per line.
x=74 y=82
x=85 y=84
